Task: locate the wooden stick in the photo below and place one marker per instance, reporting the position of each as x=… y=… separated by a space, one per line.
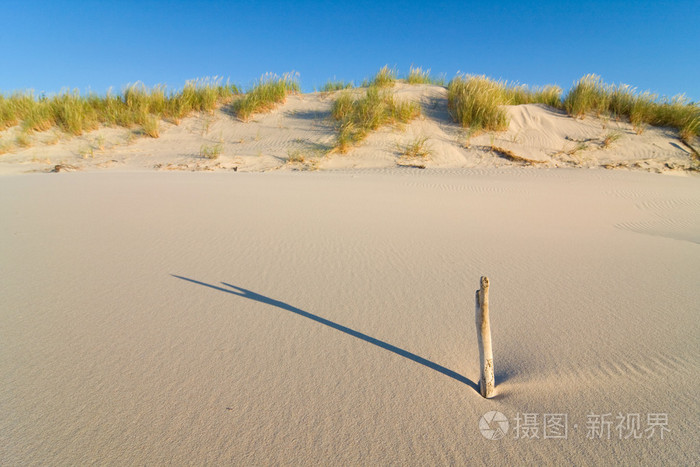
x=487 y=384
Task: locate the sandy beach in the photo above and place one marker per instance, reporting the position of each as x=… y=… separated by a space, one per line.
x=349 y=234
x=327 y=317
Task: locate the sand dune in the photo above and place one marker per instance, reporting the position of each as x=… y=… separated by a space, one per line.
x=152 y=317
x=302 y=126
x=328 y=317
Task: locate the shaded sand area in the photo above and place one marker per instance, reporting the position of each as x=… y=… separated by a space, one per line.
x=328 y=317
x=300 y=134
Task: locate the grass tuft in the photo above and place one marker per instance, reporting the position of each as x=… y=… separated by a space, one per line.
x=580 y=146
x=475 y=101
x=591 y=94
x=416 y=75
x=521 y=94
x=332 y=86
x=266 y=94
x=136 y=105
x=151 y=126
x=296 y=157
x=690 y=129
x=357 y=116
x=610 y=138
x=211 y=151
x=415 y=149
x=385 y=77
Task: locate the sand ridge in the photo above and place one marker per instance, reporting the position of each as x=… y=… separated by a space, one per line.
x=302 y=129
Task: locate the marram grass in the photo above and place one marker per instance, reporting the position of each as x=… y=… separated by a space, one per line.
x=265 y=95
x=473 y=101
x=332 y=86
x=417 y=148
x=591 y=95
x=137 y=105
x=416 y=75
x=385 y=77
x=357 y=116
x=476 y=101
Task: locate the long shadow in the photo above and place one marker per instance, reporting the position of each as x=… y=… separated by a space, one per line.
x=241 y=292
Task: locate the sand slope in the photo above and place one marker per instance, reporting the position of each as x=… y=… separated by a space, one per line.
x=328 y=318
x=302 y=126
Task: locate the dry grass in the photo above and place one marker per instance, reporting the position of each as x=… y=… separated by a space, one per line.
x=610 y=138
x=689 y=131
x=332 y=86
x=357 y=116
x=521 y=94
x=511 y=156
x=415 y=149
x=580 y=146
x=304 y=159
x=151 y=126
x=265 y=95
x=137 y=105
x=296 y=156
x=419 y=76
x=212 y=151
x=476 y=101
x=591 y=95
x=385 y=77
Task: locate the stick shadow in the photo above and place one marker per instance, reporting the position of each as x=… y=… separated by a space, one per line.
x=241 y=292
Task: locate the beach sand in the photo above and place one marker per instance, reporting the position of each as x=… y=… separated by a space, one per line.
x=328 y=317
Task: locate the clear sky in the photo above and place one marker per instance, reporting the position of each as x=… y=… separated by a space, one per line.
x=50 y=45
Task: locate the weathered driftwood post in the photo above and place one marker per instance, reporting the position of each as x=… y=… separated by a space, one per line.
x=483 y=331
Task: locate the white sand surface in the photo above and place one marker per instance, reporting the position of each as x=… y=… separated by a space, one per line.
x=327 y=318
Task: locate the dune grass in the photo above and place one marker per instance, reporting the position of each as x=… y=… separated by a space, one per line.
x=609 y=138
x=476 y=101
x=296 y=156
x=357 y=116
x=151 y=126
x=332 y=86
x=137 y=105
x=521 y=94
x=265 y=95
x=211 y=151
x=416 y=75
x=385 y=77
x=591 y=95
x=417 y=148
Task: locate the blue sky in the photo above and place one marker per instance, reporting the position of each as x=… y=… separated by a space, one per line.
x=50 y=45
